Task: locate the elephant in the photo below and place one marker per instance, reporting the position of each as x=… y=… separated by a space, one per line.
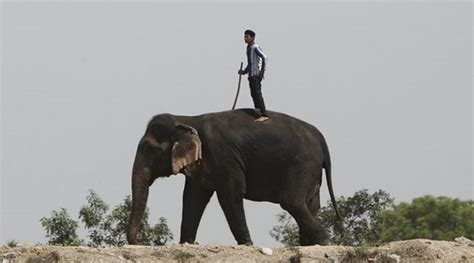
x=279 y=161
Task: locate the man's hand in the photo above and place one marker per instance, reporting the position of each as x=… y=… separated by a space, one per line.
x=260 y=76
x=241 y=72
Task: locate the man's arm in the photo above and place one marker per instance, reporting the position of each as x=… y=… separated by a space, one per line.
x=244 y=71
x=259 y=53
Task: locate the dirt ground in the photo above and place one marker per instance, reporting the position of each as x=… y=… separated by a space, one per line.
x=418 y=250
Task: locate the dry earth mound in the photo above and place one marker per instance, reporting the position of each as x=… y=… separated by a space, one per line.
x=418 y=250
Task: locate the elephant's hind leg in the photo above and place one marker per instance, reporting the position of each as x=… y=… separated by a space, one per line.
x=310 y=229
x=314 y=204
x=303 y=204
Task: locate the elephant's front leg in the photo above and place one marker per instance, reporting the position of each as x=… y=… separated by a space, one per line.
x=195 y=200
x=233 y=205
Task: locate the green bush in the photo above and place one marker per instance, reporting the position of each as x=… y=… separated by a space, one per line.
x=287 y=230
x=371 y=219
x=12 y=243
x=104 y=228
x=61 y=229
x=360 y=213
x=439 y=218
x=117 y=222
x=161 y=234
x=93 y=215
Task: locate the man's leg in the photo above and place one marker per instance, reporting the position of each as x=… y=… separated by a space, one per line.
x=256 y=92
x=253 y=92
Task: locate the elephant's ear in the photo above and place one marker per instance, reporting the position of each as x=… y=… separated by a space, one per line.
x=187 y=149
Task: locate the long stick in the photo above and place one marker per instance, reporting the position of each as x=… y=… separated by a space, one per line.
x=238 y=87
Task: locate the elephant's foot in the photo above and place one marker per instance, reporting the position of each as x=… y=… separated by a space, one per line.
x=188 y=241
x=138 y=243
x=246 y=243
x=311 y=241
x=311 y=237
x=132 y=239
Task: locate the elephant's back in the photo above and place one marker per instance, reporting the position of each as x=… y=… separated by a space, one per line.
x=239 y=127
x=279 y=124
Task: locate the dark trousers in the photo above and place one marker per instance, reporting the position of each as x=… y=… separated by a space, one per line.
x=256 y=91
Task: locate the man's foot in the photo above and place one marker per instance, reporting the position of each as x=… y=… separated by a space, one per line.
x=262 y=118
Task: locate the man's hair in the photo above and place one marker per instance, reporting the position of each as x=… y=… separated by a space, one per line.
x=250 y=33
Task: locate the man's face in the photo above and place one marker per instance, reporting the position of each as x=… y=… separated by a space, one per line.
x=248 y=39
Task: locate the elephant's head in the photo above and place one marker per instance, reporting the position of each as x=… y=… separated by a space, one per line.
x=167 y=148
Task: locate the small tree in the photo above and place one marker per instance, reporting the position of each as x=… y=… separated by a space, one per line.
x=439 y=218
x=111 y=229
x=287 y=232
x=104 y=229
x=161 y=234
x=61 y=229
x=93 y=215
x=359 y=213
x=117 y=221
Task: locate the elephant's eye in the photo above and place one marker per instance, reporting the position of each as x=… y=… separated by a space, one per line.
x=152 y=146
x=147 y=147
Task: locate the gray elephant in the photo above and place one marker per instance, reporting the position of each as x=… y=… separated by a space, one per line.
x=278 y=161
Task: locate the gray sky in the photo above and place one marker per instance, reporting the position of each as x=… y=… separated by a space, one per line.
x=388 y=83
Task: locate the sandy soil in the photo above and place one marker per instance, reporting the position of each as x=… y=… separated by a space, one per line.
x=418 y=250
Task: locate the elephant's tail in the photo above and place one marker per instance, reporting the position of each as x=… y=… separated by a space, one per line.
x=327 y=168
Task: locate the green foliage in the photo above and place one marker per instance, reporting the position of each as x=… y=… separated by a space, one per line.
x=117 y=223
x=92 y=215
x=439 y=218
x=12 y=243
x=372 y=218
x=61 y=229
x=112 y=228
x=183 y=256
x=109 y=229
x=161 y=234
x=287 y=230
x=360 y=213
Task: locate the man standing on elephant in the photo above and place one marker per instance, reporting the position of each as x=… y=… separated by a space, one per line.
x=256 y=62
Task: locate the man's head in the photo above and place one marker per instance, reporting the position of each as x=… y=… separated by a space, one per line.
x=249 y=36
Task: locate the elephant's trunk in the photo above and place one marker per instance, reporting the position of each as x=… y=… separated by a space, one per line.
x=140 y=185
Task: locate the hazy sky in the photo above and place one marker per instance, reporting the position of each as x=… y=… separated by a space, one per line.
x=388 y=83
